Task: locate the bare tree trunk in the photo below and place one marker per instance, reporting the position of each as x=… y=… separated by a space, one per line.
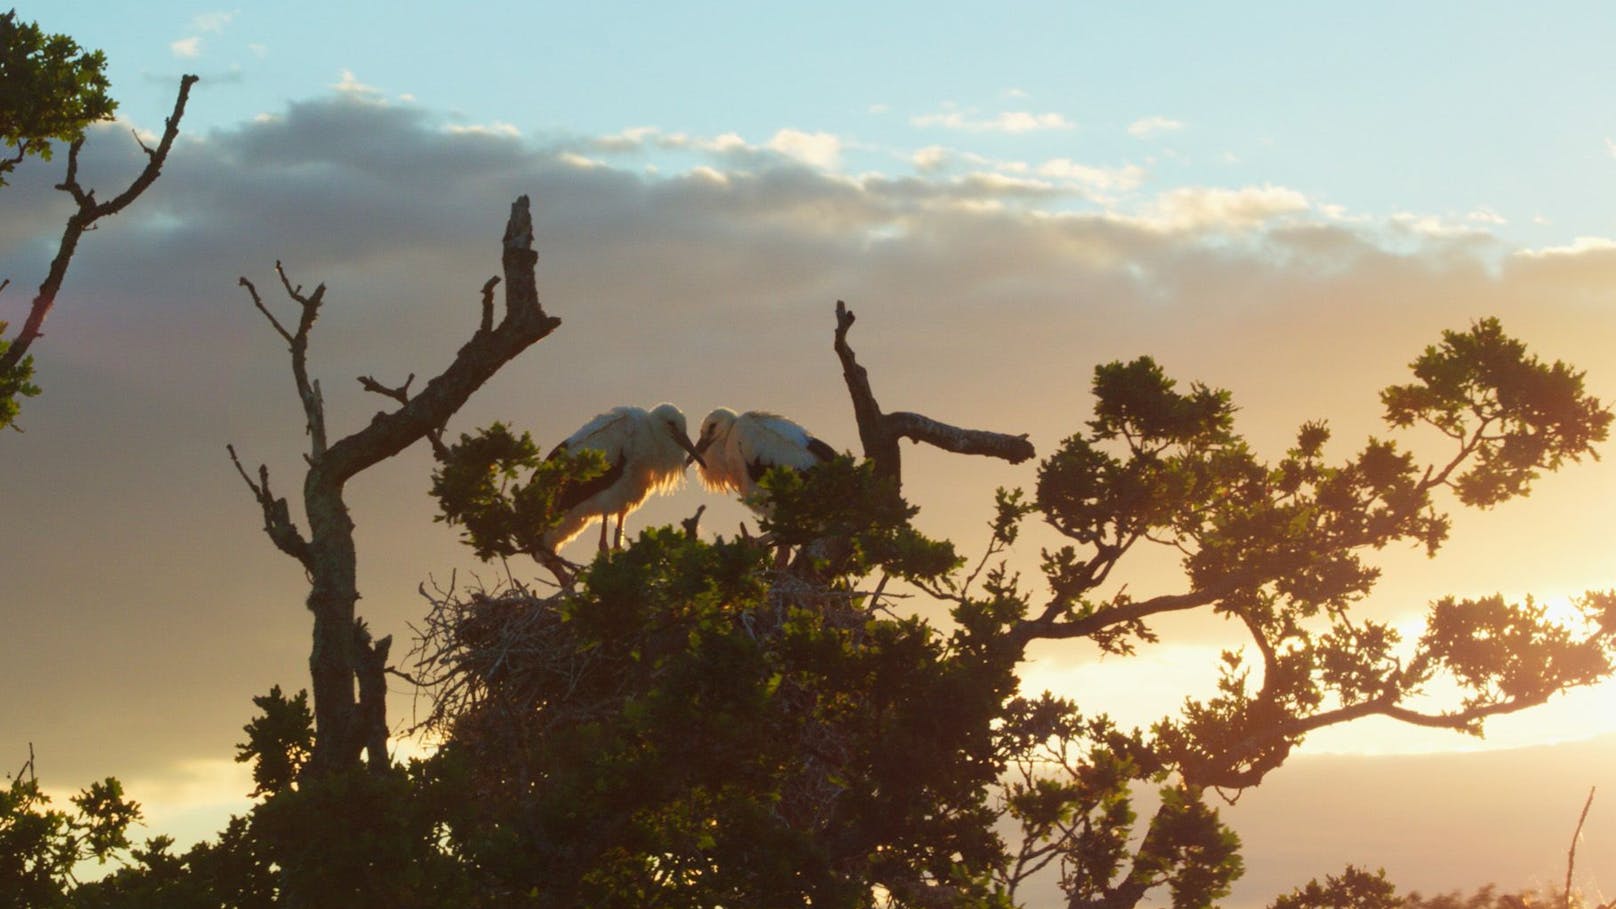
x=346 y=666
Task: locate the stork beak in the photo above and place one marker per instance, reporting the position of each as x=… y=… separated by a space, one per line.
x=684 y=442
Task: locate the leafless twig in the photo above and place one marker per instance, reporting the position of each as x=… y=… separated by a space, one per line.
x=1571 y=856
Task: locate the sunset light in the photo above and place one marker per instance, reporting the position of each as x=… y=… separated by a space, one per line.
x=1293 y=325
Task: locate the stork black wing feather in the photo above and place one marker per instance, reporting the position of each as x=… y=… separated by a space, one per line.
x=820 y=450
x=574 y=493
x=755 y=469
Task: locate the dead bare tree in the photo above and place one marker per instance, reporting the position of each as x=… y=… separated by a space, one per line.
x=349 y=722
x=89 y=211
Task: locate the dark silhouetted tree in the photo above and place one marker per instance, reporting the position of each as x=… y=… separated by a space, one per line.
x=346 y=664
x=690 y=724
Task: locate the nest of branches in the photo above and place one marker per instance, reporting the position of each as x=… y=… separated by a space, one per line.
x=502 y=669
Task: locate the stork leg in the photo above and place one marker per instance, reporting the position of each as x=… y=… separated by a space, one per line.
x=605 y=519
x=617 y=541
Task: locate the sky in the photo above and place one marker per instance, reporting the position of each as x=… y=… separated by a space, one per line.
x=1286 y=200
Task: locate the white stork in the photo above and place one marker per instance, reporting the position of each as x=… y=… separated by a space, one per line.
x=645 y=453
x=738 y=449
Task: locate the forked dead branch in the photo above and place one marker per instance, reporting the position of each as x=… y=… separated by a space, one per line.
x=347 y=722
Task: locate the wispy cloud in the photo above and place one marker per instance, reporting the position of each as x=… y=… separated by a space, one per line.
x=1150 y=126
x=1103 y=179
x=213 y=21
x=497 y=128
x=1208 y=208
x=1006 y=122
x=930 y=158
x=1581 y=246
x=186 y=47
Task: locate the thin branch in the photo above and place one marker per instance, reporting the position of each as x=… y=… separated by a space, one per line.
x=298 y=342
x=258 y=302
x=1571 y=857
x=89 y=211
x=1047 y=625
x=401 y=394
x=277 y=515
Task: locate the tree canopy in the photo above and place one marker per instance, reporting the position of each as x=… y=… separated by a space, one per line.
x=773 y=719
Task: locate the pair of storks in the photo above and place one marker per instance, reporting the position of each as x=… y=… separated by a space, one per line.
x=648 y=451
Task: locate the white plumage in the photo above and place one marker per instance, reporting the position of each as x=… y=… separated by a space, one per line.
x=645 y=453
x=738 y=449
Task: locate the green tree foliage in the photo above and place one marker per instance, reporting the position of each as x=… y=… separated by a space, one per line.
x=681 y=730
x=278 y=741
x=631 y=740
x=50 y=90
x=40 y=846
x=1354 y=888
x=480 y=486
x=769 y=721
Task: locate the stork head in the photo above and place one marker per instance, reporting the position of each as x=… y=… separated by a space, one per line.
x=716 y=424
x=673 y=420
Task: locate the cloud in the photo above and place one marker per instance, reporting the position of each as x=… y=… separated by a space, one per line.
x=1610 y=146
x=1007 y=122
x=186 y=47
x=213 y=21
x=497 y=128
x=1150 y=126
x=671 y=287
x=930 y=158
x=1201 y=208
x=1581 y=246
x=1099 y=179
x=349 y=84
x=821 y=150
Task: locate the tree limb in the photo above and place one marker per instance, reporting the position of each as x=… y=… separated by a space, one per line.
x=277 y=516
x=89 y=211
x=524 y=324
x=349 y=723
x=1014 y=449
x=879 y=433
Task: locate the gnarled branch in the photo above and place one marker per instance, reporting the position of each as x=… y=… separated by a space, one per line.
x=343 y=652
x=89 y=211
x=880 y=432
